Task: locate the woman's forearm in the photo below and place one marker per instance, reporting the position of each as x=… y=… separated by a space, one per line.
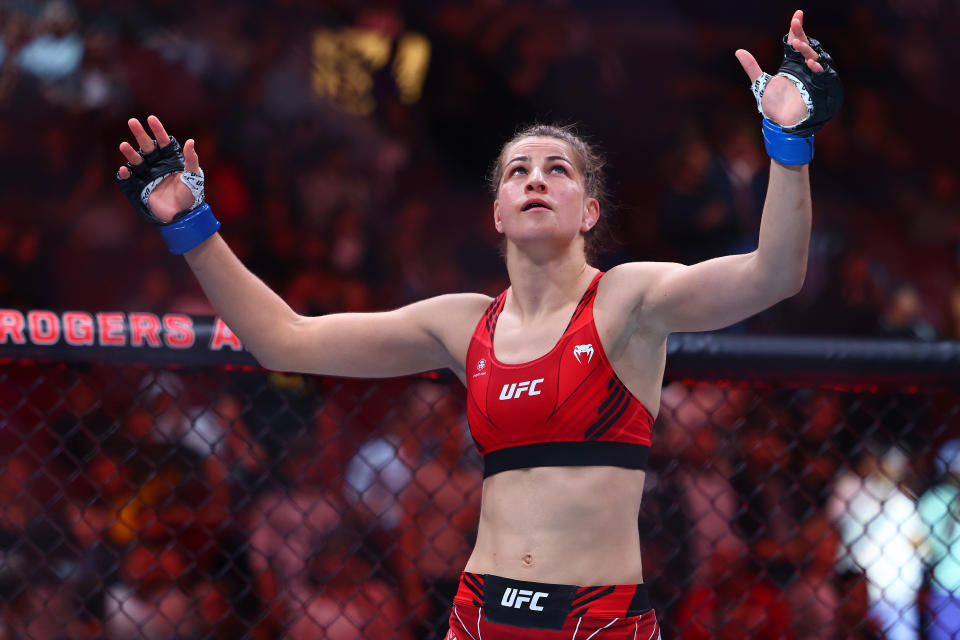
x=785 y=226
x=249 y=307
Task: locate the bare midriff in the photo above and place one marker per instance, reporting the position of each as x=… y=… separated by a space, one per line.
x=561 y=525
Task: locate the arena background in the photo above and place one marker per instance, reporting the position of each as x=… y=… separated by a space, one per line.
x=154 y=482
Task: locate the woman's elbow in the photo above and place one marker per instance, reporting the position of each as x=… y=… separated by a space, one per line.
x=780 y=288
x=271 y=356
x=792 y=285
x=266 y=360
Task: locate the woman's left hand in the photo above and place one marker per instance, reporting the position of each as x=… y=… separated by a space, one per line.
x=782 y=102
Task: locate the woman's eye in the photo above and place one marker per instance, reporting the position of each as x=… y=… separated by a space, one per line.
x=517 y=171
x=559 y=169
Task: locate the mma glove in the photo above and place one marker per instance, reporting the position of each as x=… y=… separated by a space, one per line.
x=189 y=227
x=822 y=93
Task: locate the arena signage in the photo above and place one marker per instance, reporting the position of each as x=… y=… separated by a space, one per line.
x=40 y=333
x=181 y=340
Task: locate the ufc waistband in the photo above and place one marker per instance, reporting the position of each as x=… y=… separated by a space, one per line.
x=536 y=605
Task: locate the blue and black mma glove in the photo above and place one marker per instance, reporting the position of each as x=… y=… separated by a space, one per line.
x=822 y=93
x=191 y=226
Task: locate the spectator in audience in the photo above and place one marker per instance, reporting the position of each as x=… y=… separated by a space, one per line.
x=25 y=276
x=321 y=286
x=39 y=586
x=903 y=316
x=149 y=601
x=743 y=602
x=854 y=298
x=854 y=621
x=818 y=454
x=698 y=212
x=663 y=528
x=881 y=532
x=769 y=514
x=347 y=598
x=287 y=524
x=939 y=508
x=812 y=593
x=375 y=478
x=440 y=505
x=56 y=49
x=18 y=503
x=708 y=501
x=742 y=159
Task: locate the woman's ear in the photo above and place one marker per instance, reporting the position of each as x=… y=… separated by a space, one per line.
x=497 y=221
x=591 y=214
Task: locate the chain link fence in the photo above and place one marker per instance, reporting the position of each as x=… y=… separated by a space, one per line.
x=795 y=498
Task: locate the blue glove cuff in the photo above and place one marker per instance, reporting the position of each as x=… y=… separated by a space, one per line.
x=190 y=230
x=786 y=148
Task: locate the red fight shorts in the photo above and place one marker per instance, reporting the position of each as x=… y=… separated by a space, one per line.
x=489 y=607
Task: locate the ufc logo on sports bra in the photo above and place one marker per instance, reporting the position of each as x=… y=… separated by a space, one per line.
x=515 y=390
x=517 y=598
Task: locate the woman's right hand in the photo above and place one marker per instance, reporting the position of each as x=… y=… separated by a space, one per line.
x=171 y=196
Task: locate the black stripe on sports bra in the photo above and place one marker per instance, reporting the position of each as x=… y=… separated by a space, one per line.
x=591 y=453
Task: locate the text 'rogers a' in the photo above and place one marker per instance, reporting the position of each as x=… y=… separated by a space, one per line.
x=110 y=329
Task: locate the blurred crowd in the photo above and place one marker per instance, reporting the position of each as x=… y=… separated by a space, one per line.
x=804 y=514
x=211 y=504
x=345 y=145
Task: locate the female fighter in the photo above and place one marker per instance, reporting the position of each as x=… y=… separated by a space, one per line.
x=563 y=369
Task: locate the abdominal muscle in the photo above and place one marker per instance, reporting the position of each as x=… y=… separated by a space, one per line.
x=561 y=525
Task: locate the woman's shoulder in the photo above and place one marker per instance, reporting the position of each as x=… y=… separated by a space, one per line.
x=458 y=304
x=633 y=270
x=624 y=286
x=452 y=319
x=451 y=311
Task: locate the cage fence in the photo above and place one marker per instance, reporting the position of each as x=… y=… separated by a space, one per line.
x=796 y=489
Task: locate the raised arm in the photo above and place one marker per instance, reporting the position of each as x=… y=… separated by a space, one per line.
x=420 y=337
x=363 y=345
x=717 y=293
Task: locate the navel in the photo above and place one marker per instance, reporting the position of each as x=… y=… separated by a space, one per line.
x=527 y=559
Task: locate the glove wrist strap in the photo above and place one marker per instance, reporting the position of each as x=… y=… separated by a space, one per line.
x=190 y=230
x=786 y=148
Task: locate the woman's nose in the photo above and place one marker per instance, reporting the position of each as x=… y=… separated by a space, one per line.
x=536 y=182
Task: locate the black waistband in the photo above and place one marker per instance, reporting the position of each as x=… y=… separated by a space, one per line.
x=537 y=605
x=567 y=454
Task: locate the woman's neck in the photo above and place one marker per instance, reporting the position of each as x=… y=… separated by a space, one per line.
x=541 y=287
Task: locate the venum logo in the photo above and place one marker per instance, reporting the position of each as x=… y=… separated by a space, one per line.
x=515 y=390
x=583 y=349
x=516 y=598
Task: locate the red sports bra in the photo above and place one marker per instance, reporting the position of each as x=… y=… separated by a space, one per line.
x=566 y=408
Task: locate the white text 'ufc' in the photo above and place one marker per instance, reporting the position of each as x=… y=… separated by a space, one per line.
x=515 y=390
x=516 y=598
